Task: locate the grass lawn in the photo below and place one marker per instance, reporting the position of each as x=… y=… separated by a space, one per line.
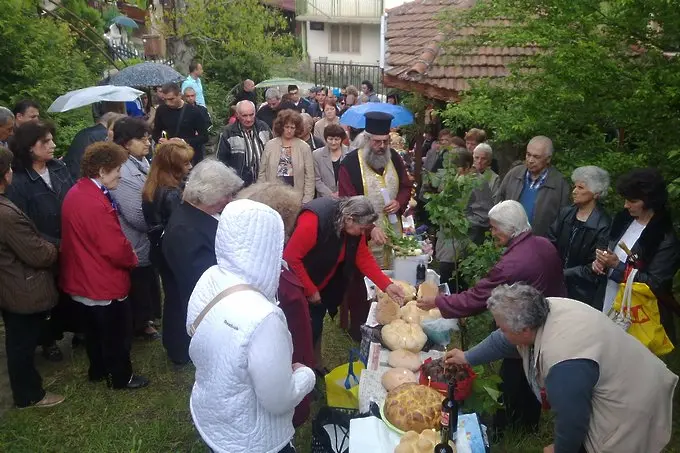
x=157 y=419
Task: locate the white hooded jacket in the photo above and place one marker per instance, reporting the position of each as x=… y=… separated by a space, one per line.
x=245 y=390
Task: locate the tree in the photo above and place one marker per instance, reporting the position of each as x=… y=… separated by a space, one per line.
x=605 y=83
x=41 y=61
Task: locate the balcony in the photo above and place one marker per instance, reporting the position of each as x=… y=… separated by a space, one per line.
x=339 y=11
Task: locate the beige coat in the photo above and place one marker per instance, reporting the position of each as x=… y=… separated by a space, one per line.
x=633 y=399
x=320 y=126
x=303 y=166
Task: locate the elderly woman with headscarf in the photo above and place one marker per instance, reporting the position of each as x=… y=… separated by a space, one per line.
x=527 y=258
x=609 y=393
x=189 y=245
x=246 y=389
x=291 y=294
x=579 y=229
x=645 y=227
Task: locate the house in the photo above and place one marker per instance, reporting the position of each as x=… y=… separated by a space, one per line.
x=416 y=59
x=342 y=30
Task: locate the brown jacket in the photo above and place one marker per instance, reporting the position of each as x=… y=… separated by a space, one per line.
x=304 y=181
x=27 y=283
x=632 y=401
x=553 y=195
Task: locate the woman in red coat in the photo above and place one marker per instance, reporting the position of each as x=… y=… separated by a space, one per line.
x=96 y=260
x=291 y=295
x=327 y=247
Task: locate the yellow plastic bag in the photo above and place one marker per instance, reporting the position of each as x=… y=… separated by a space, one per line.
x=642 y=310
x=342 y=383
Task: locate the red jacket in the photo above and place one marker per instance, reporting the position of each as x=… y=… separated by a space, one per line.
x=304 y=239
x=95 y=256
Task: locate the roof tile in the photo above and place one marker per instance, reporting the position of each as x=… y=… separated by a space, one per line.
x=415 y=54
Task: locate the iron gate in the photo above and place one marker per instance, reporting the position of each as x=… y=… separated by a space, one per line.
x=337 y=75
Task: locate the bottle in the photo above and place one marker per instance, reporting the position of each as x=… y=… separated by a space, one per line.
x=421 y=272
x=449 y=421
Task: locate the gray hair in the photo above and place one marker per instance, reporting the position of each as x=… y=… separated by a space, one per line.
x=361 y=140
x=595 y=178
x=521 y=306
x=6 y=116
x=187 y=88
x=272 y=93
x=241 y=104
x=484 y=148
x=307 y=119
x=210 y=181
x=544 y=142
x=357 y=208
x=510 y=217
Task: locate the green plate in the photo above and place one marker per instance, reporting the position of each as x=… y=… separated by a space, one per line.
x=389 y=425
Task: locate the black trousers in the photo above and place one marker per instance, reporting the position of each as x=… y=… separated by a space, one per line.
x=175 y=338
x=521 y=407
x=145 y=296
x=22 y=333
x=64 y=317
x=108 y=340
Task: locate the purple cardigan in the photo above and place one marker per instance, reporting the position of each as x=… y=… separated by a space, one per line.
x=529 y=259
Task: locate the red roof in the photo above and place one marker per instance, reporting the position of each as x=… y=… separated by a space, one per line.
x=416 y=60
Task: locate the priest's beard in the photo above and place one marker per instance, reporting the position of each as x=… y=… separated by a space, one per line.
x=376 y=161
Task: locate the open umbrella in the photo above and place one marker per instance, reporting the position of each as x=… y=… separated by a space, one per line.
x=86 y=96
x=147 y=74
x=279 y=82
x=124 y=21
x=354 y=117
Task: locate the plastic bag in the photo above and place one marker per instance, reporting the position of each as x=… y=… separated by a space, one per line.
x=439 y=330
x=342 y=383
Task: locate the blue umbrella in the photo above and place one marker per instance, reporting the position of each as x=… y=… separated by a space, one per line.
x=124 y=21
x=354 y=117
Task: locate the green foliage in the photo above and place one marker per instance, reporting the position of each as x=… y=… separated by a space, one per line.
x=479 y=261
x=235 y=41
x=604 y=87
x=43 y=61
x=485 y=393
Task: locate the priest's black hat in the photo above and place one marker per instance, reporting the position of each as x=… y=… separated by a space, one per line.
x=378 y=123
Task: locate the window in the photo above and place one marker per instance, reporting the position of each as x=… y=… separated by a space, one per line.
x=345 y=38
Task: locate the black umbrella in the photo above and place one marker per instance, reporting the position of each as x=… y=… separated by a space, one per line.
x=145 y=74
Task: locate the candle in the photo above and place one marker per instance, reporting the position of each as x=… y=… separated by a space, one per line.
x=429 y=381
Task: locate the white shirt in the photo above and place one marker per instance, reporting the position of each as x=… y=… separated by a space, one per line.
x=46 y=177
x=630 y=237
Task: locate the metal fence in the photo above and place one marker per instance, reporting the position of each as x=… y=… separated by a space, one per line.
x=337 y=75
x=126 y=52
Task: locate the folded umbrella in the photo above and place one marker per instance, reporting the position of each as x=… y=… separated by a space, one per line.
x=354 y=117
x=86 y=96
x=147 y=74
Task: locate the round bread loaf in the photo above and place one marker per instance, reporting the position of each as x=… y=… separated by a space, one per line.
x=387 y=311
x=413 y=407
x=401 y=335
x=401 y=358
x=394 y=377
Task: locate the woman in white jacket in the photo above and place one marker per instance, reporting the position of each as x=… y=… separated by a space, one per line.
x=245 y=390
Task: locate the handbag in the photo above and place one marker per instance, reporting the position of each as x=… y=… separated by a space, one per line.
x=330 y=430
x=227 y=292
x=637 y=308
x=342 y=383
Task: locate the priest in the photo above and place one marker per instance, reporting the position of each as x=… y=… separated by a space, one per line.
x=376 y=171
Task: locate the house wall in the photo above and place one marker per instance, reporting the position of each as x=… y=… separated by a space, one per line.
x=318 y=45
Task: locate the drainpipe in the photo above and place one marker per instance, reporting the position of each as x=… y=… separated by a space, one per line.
x=383 y=30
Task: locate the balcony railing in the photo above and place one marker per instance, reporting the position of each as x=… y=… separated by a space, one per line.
x=334 y=9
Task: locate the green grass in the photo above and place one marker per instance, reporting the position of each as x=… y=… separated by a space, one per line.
x=157 y=419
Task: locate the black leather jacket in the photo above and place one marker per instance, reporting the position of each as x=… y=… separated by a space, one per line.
x=658 y=251
x=576 y=243
x=38 y=201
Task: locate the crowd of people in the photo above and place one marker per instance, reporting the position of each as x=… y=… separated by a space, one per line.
x=294 y=208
